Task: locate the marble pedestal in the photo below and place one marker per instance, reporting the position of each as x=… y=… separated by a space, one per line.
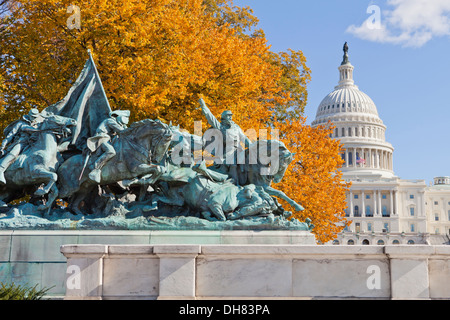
x=30 y=257
x=257 y=271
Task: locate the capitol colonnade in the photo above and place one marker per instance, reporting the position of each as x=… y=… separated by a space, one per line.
x=373 y=203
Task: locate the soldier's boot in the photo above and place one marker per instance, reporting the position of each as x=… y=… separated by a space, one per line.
x=96 y=174
x=2 y=176
x=4 y=164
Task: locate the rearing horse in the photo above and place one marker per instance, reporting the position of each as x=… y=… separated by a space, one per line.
x=38 y=163
x=139 y=150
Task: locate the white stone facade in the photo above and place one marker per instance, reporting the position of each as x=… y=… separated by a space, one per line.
x=383 y=208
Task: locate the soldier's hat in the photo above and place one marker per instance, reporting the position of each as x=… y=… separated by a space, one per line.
x=32 y=115
x=226 y=112
x=120 y=113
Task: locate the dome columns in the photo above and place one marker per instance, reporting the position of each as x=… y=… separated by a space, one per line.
x=366 y=157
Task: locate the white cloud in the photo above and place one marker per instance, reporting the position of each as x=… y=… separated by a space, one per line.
x=407 y=22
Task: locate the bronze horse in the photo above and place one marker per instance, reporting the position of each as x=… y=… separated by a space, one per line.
x=140 y=150
x=34 y=171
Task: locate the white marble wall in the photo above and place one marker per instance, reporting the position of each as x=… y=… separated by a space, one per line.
x=257 y=271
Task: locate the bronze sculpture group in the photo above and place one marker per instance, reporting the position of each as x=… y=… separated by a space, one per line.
x=82 y=152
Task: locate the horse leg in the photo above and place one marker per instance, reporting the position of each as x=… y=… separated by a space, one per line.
x=74 y=203
x=277 y=193
x=52 y=194
x=216 y=210
x=48 y=176
x=150 y=172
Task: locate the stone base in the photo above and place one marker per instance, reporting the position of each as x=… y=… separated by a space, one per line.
x=33 y=257
x=257 y=272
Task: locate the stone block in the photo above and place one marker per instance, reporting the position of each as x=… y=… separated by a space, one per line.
x=339 y=278
x=54 y=277
x=185 y=237
x=131 y=277
x=5 y=245
x=244 y=277
x=177 y=271
x=26 y=273
x=439 y=273
x=84 y=278
x=113 y=237
x=39 y=246
x=409 y=279
x=5 y=272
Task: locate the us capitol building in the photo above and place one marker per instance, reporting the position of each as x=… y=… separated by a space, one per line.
x=383 y=208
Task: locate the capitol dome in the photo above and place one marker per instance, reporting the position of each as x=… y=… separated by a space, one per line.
x=358 y=127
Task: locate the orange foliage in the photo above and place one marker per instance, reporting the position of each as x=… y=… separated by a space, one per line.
x=154 y=57
x=313 y=180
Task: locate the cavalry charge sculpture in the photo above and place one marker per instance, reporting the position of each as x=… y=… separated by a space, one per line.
x=84 y=154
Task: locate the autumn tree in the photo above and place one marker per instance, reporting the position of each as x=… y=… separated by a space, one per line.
x=157 y=58
x=314 y=180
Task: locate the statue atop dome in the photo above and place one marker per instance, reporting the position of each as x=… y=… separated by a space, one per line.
x=345 y=60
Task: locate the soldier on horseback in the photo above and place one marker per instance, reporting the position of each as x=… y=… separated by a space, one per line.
x=107 y=129
x=232 y=136
x=16 y=139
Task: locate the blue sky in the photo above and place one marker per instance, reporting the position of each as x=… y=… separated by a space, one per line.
x=403 y=64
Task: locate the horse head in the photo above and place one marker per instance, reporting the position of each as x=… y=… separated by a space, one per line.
x=285 y=160
x=152 y=135
x=56 y=123
x=273 y=158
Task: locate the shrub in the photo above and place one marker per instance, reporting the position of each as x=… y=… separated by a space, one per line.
x=18 y=292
